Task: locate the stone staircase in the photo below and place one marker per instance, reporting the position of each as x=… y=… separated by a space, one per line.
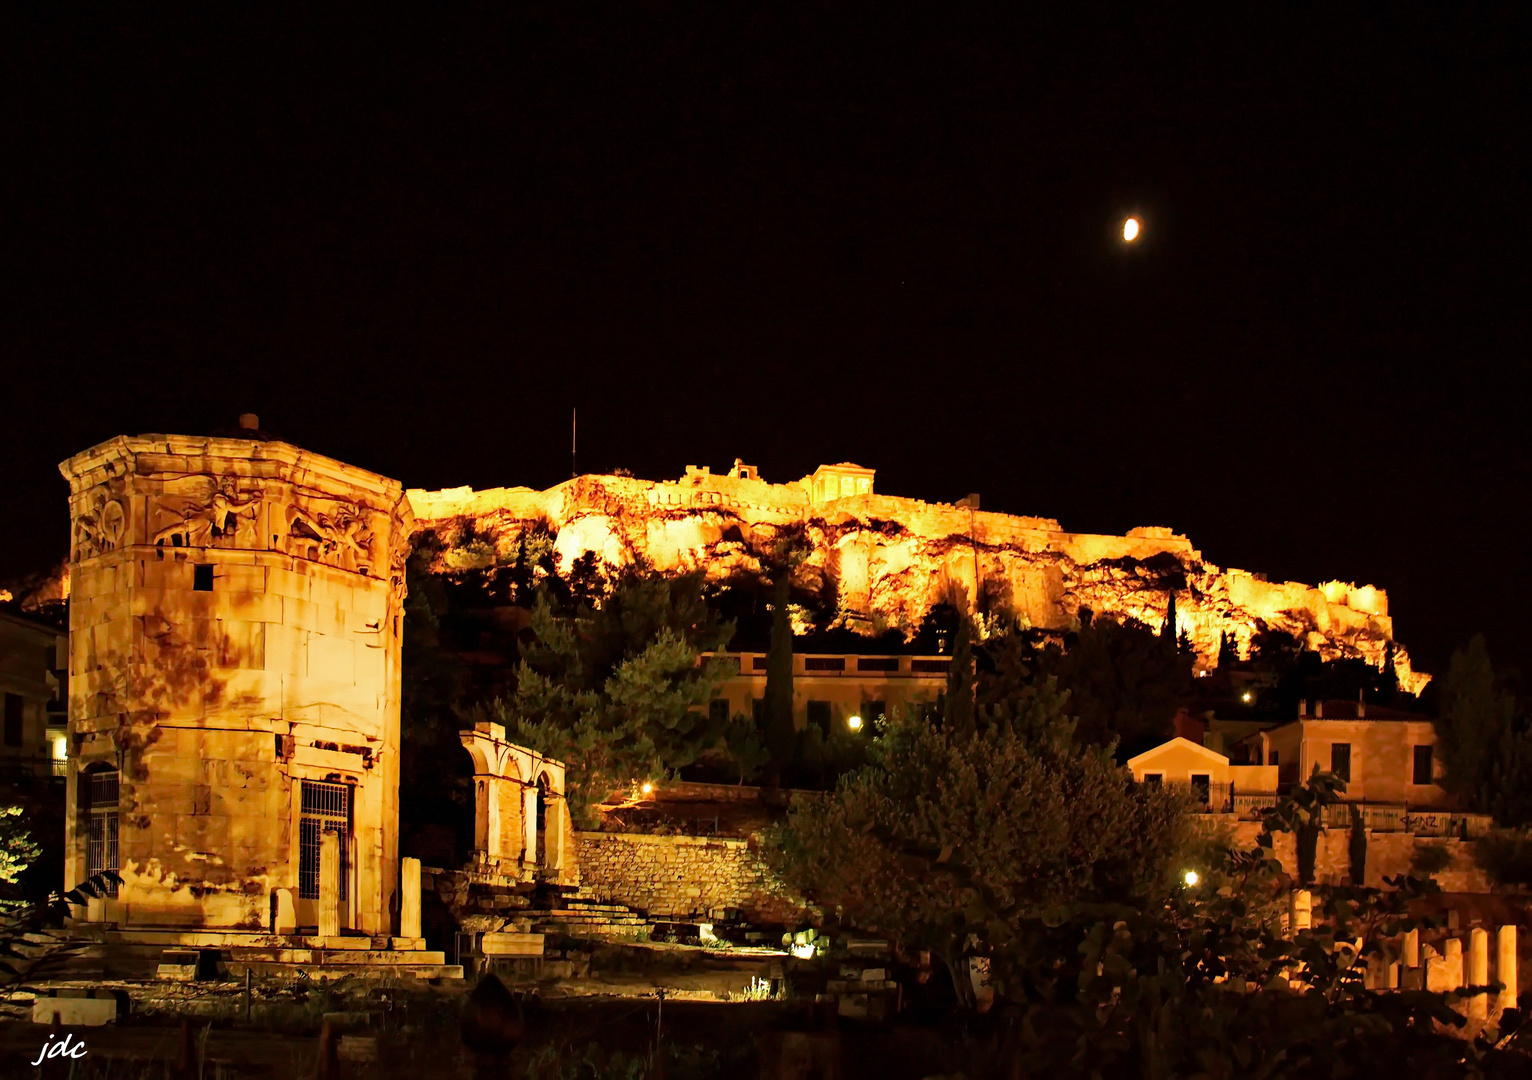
x=588 y=918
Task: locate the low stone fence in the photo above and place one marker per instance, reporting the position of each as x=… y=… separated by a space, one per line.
x=683 y=877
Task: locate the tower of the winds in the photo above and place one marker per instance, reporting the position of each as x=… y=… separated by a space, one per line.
x=235 y=618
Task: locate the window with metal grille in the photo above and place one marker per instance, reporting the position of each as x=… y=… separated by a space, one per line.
x=326 y=808
x=1340 y=760
x=101 y=844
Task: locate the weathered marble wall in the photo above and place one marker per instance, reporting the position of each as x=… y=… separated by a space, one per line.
x=684 y=876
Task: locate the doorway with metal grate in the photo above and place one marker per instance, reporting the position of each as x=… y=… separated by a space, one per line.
x=325 y=807
x=102 y=791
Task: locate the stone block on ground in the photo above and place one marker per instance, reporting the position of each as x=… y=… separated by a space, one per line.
x=77 y=1008
x=503 y=944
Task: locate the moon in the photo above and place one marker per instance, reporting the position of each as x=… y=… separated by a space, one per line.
x=1130 y=229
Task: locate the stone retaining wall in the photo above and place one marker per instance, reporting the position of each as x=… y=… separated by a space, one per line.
x=1389 y=854
x=684 y=877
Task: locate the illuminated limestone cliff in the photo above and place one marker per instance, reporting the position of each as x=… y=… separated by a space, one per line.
x=892 y=558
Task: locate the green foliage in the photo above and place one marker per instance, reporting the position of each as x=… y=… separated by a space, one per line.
x=1204 y=982
x=1041 y=825
x=17 y=849
x=1507 y=858
x=1428 y=860
x=619 y=693
x=1303 y=814
x=1124 y=681
x=747 y=747
x=958 y=706
x=1485 y=747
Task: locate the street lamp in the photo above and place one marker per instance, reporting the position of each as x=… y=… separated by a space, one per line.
x=854 y=723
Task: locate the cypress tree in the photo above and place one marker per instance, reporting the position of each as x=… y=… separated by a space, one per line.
x=781 y=733
x=1358 y=848
x=957 y=709
x=1168 y=631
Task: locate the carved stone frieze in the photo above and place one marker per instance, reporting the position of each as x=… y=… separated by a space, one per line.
x=101 y=524
x=219 y=515
x=331 y=531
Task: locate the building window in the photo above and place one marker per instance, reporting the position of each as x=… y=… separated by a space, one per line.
x=14 y=706
x=202 y=578
x=819 y=715
x=1423 y=765
x=874 y=711
x=326 y=808
x=1202 y=788
x=877 y=663
x=758 y=711
x=718 y=711
x=1340 y=760
x=1154 y=779
x=101 y=842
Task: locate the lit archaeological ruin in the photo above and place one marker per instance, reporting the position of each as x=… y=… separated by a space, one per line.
x=234 y=707
x=236 y=618
x=891 y=558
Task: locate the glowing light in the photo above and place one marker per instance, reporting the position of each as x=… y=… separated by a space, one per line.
x=1130 y=229
x=647 y=789
x=61 y=748
x=804 y=952
x=854 y=723
x=1245 y=697
x=1191 y=877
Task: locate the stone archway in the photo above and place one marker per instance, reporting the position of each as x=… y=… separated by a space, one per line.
x=522 y=827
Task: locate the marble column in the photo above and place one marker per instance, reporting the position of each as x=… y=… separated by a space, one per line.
x=1478 y=972
x=1453 y=967
x=1505 y=968
x=329 y=885
x=409 y=907
x=1301 y=910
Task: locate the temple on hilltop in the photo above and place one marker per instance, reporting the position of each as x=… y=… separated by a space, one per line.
x=890 y=559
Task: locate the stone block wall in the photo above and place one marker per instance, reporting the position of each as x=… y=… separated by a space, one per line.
x=684 y=876
x=1389 y=854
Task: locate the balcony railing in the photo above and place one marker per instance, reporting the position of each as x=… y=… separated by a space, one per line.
x=845 y=665
x=33 y=765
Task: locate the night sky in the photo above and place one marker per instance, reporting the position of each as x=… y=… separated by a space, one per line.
x=880 y=233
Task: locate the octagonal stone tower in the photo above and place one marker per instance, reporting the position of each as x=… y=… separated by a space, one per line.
x=235 y=620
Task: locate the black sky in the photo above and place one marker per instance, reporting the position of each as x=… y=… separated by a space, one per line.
x=883 y=233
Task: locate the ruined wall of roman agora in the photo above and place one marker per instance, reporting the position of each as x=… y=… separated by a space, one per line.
x=237 y=623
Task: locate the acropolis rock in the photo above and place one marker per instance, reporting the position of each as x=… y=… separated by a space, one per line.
x=891 y=558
